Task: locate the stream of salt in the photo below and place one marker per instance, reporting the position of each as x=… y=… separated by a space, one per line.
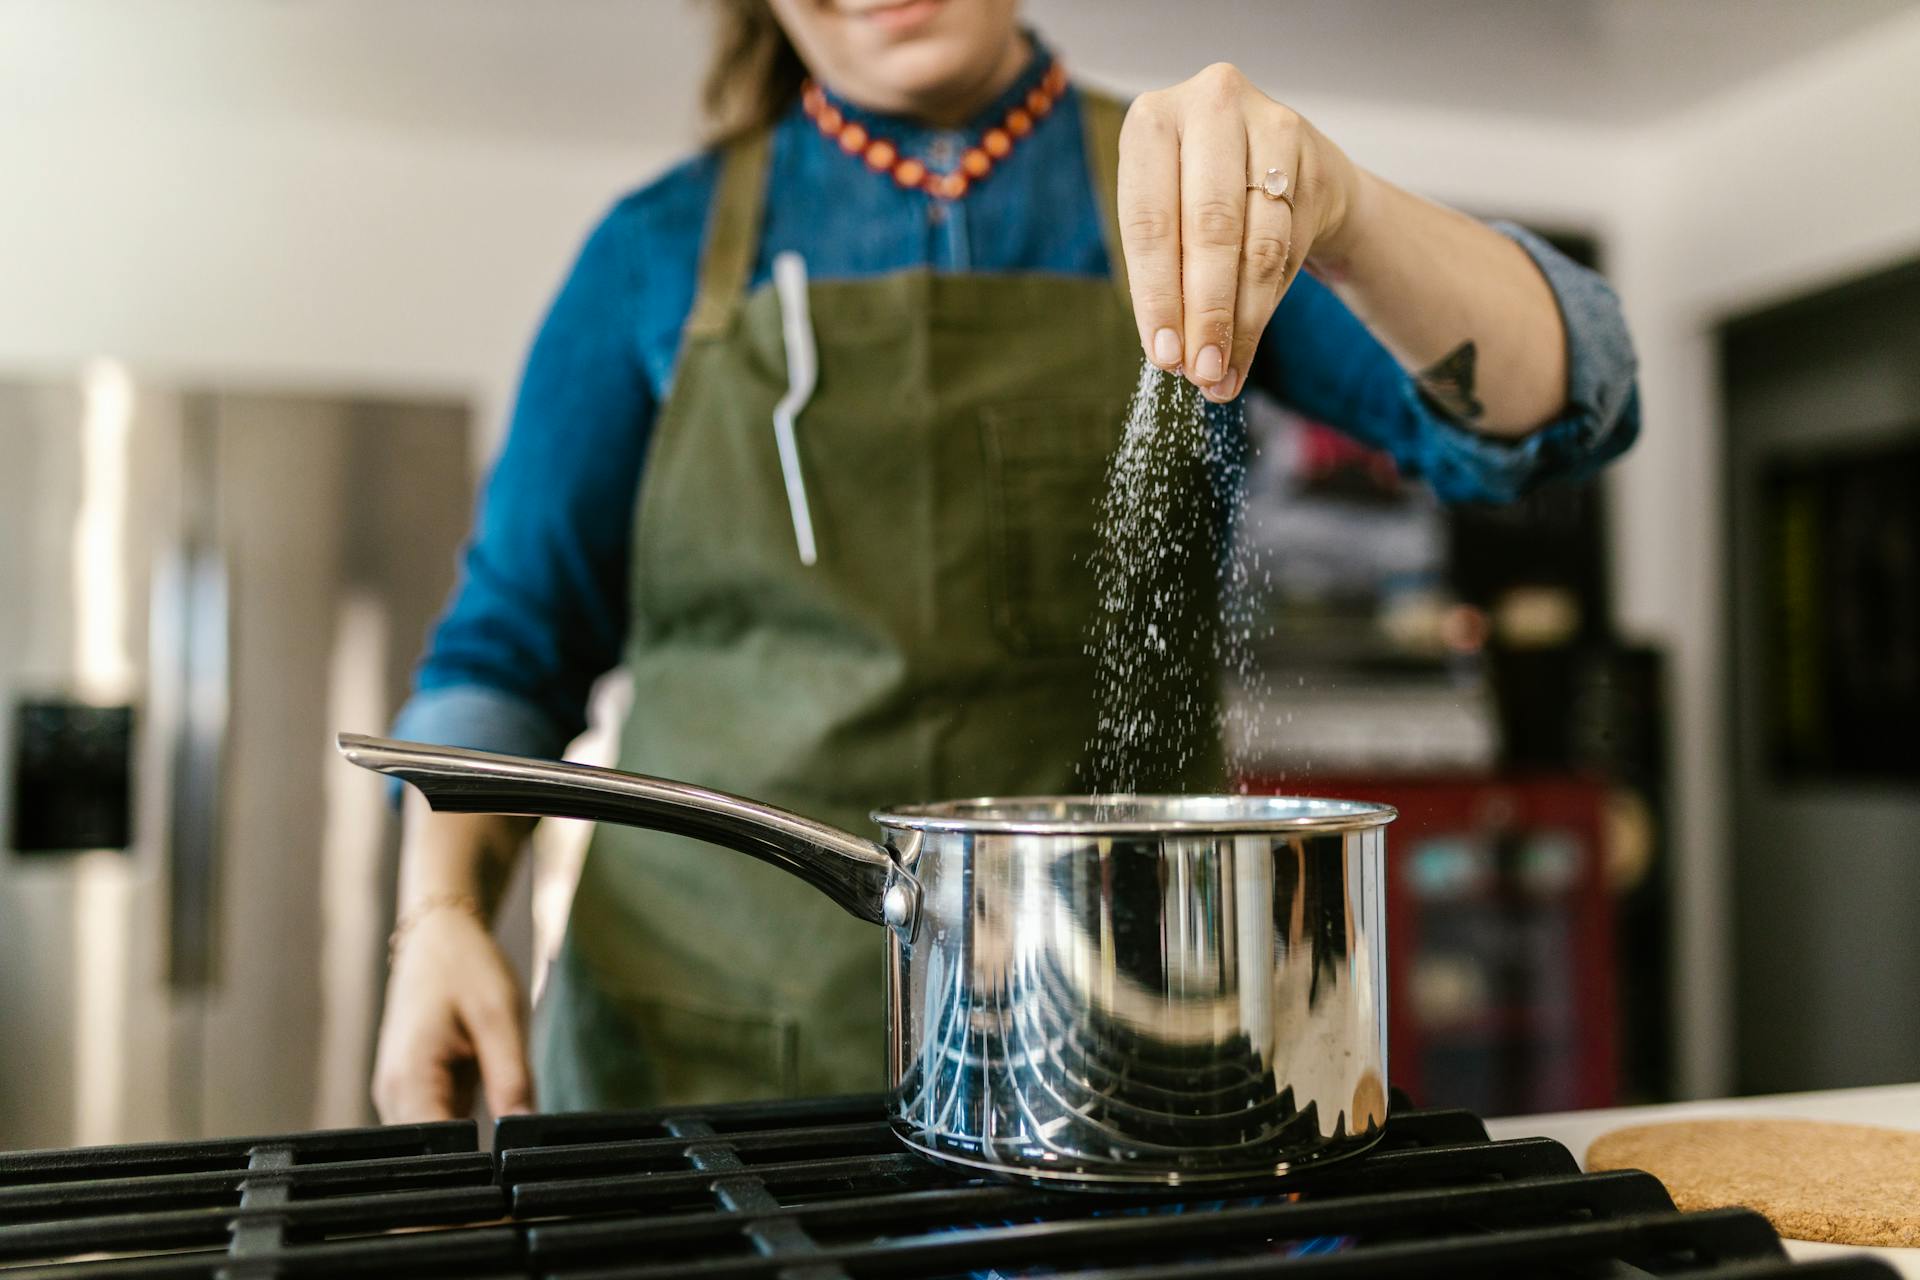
x=1176 y=595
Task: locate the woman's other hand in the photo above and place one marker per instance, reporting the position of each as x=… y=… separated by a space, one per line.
x=1208 y=259
x=454 y=1017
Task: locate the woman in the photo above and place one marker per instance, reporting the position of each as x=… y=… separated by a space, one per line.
x=892 y=607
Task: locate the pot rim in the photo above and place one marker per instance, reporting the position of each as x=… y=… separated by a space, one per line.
x=1150 y=815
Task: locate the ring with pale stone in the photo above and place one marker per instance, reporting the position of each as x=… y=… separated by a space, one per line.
x=1273 y=186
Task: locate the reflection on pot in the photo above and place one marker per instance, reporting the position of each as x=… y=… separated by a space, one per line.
x=1211 y=1002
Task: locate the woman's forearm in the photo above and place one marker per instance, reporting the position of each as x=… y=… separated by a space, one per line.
x=1461 y=306
x=447 y=857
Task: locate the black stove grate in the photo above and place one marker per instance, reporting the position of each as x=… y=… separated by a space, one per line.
x=819 y=1190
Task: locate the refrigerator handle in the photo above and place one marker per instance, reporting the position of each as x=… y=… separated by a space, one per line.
x=199 y=731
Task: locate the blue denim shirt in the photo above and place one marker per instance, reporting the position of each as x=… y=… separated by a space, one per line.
x=541 y=610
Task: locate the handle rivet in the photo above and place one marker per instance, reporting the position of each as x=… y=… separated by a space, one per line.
x=896 y=907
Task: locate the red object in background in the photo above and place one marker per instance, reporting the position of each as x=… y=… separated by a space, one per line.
x=1500 y=956
x=1324 y=454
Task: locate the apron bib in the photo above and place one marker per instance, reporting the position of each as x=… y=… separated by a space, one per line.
x=954 y=454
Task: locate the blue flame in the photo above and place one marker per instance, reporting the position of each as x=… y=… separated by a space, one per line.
x=1277 y=1248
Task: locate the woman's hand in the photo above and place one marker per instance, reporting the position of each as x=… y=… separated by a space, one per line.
x=453 y=1016
x=1462 y=307
x=1207 y=259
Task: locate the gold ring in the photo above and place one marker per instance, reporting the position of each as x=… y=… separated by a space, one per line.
x=1273 y=186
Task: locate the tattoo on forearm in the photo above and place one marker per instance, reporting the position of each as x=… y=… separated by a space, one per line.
x=1448 y=383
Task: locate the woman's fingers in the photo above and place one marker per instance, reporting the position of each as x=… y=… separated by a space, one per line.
x=500 y=1046
x=430 y=1075
x=1213 y=206
x=414 y=1083
x=1149 y=204
x=1268 y=262
x=1208 y=258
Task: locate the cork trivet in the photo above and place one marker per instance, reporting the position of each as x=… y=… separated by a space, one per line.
x=1369 y=1103
x=1837 y=1183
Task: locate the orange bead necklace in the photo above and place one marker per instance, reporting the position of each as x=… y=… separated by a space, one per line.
x=976 y=162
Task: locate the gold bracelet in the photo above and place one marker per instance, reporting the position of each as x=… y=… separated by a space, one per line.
x=425 y=907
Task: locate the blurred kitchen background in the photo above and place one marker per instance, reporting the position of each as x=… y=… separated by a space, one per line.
x=267 y=273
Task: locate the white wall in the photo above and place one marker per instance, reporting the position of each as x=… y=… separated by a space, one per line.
x=1809 y=176
x=212 y=187
x=307 y=253
x=322 y=244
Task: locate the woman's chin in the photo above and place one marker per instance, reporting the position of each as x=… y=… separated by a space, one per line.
x=908 y=57
x=920 y=76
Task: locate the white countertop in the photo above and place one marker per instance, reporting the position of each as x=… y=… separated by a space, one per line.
x=1895 y=1106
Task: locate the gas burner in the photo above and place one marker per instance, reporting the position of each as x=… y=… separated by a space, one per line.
x=821 y=1189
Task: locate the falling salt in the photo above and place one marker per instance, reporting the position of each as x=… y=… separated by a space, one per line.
x=1176 y=608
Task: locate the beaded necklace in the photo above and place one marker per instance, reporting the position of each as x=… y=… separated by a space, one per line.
x=976 y=162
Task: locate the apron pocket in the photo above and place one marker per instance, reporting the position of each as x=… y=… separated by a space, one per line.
x=1046 y=470
x=701 y=1053
x=602 y=1045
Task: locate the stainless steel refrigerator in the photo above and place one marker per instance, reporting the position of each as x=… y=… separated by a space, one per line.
x=197 y=587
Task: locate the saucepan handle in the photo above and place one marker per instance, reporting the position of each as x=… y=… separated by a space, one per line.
x=857 y=873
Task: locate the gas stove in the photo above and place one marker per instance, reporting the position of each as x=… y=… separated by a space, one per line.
x=820 y=1190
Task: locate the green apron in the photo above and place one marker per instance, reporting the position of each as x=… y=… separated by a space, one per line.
x=953 y=455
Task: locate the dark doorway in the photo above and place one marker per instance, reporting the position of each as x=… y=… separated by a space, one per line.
x=1823 y=481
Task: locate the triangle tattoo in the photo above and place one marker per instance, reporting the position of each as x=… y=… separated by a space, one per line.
x=1448 y=384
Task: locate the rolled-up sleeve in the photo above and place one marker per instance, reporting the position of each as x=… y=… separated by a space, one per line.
x=1318 y=357
x=541 y=608
x=483 y=718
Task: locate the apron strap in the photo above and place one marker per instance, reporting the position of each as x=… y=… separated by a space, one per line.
x=733 y=235
x=1101 y=117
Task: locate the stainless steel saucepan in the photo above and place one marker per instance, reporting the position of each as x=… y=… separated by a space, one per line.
x=1093 y=990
